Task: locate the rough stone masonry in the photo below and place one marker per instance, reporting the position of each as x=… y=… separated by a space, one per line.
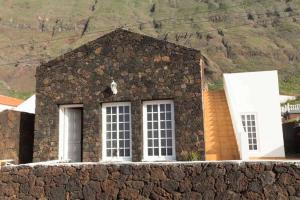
x=144 y=69
x=189 y=180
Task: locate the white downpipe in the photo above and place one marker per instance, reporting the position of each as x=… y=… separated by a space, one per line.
x=240 y=134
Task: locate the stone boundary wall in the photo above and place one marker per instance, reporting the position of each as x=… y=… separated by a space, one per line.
x=188 y=180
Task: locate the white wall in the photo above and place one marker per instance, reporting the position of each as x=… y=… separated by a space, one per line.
x=27 y=106
x=257 y=92
x=6 y=107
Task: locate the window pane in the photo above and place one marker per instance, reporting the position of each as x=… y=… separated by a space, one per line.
x=155 y=125
x=108 y=144
x=127 y=127
x=127 y=152
x=155 y=108
x=149 y=108
x=163 y=151
x=155 y=134
x=169 y=151
x=114 y=127
x=115 y=152
x=156 y=142
x=149 y=134
x=169 y=142
x=127 y=143
x=108 y=110
x=149 y=117
x=163 y=134
x=121 y=126
x=169 y=133
x=169 y=124
x=108 y=118
x=163 y=142
x=127 y=118
x=162 y=125
x=127 y=133
x=121 y=109
x=114 y=110
x=114 y=144
x=121 y=143
x=126 y=109
x=162 y=107
x=149 y=125
x=114 y=118
x=155 y=117
x=108 y=153
x=150 y=144
x=121 y=152
x=168 y=107
x=168 y=116
x=121 y=118
x=150 y=152
x=156 y=152
x=114 y=135
x=162 y=116
x=121 y=135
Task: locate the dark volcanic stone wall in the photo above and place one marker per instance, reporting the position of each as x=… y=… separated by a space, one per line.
x=16 y=133
x=198 y=180
x=144 y=69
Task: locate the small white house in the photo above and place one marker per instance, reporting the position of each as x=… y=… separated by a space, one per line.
x=254 y=104
x=9 y=103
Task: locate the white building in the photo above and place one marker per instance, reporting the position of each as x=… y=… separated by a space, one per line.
x=254 y=104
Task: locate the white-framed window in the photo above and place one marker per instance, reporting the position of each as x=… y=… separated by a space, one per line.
x=116 y=132
x=159 y=130
x=249 y=122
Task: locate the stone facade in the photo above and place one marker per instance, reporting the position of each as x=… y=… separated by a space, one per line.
x=16 y=133
x=144 y=69
x=198 y=180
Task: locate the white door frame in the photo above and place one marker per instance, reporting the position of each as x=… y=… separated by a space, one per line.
x=62 y=142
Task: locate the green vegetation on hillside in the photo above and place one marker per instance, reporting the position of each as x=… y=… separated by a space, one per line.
x=236 y=35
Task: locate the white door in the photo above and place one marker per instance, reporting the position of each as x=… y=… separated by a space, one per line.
x=71 y=134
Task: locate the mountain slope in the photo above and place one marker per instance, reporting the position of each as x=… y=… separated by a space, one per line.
x=235 y=35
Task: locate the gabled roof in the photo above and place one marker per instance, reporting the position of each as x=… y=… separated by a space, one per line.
x=9 y=101
x=118 y=33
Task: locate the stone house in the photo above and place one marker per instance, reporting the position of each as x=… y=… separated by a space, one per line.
x=122 y=97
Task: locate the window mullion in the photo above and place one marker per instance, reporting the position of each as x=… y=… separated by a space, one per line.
x=159 y=131
x=117 y=121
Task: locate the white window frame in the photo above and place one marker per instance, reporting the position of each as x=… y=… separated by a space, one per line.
x=63 y=145
x=145 y=131
x=118 y=158
x=256 y=128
